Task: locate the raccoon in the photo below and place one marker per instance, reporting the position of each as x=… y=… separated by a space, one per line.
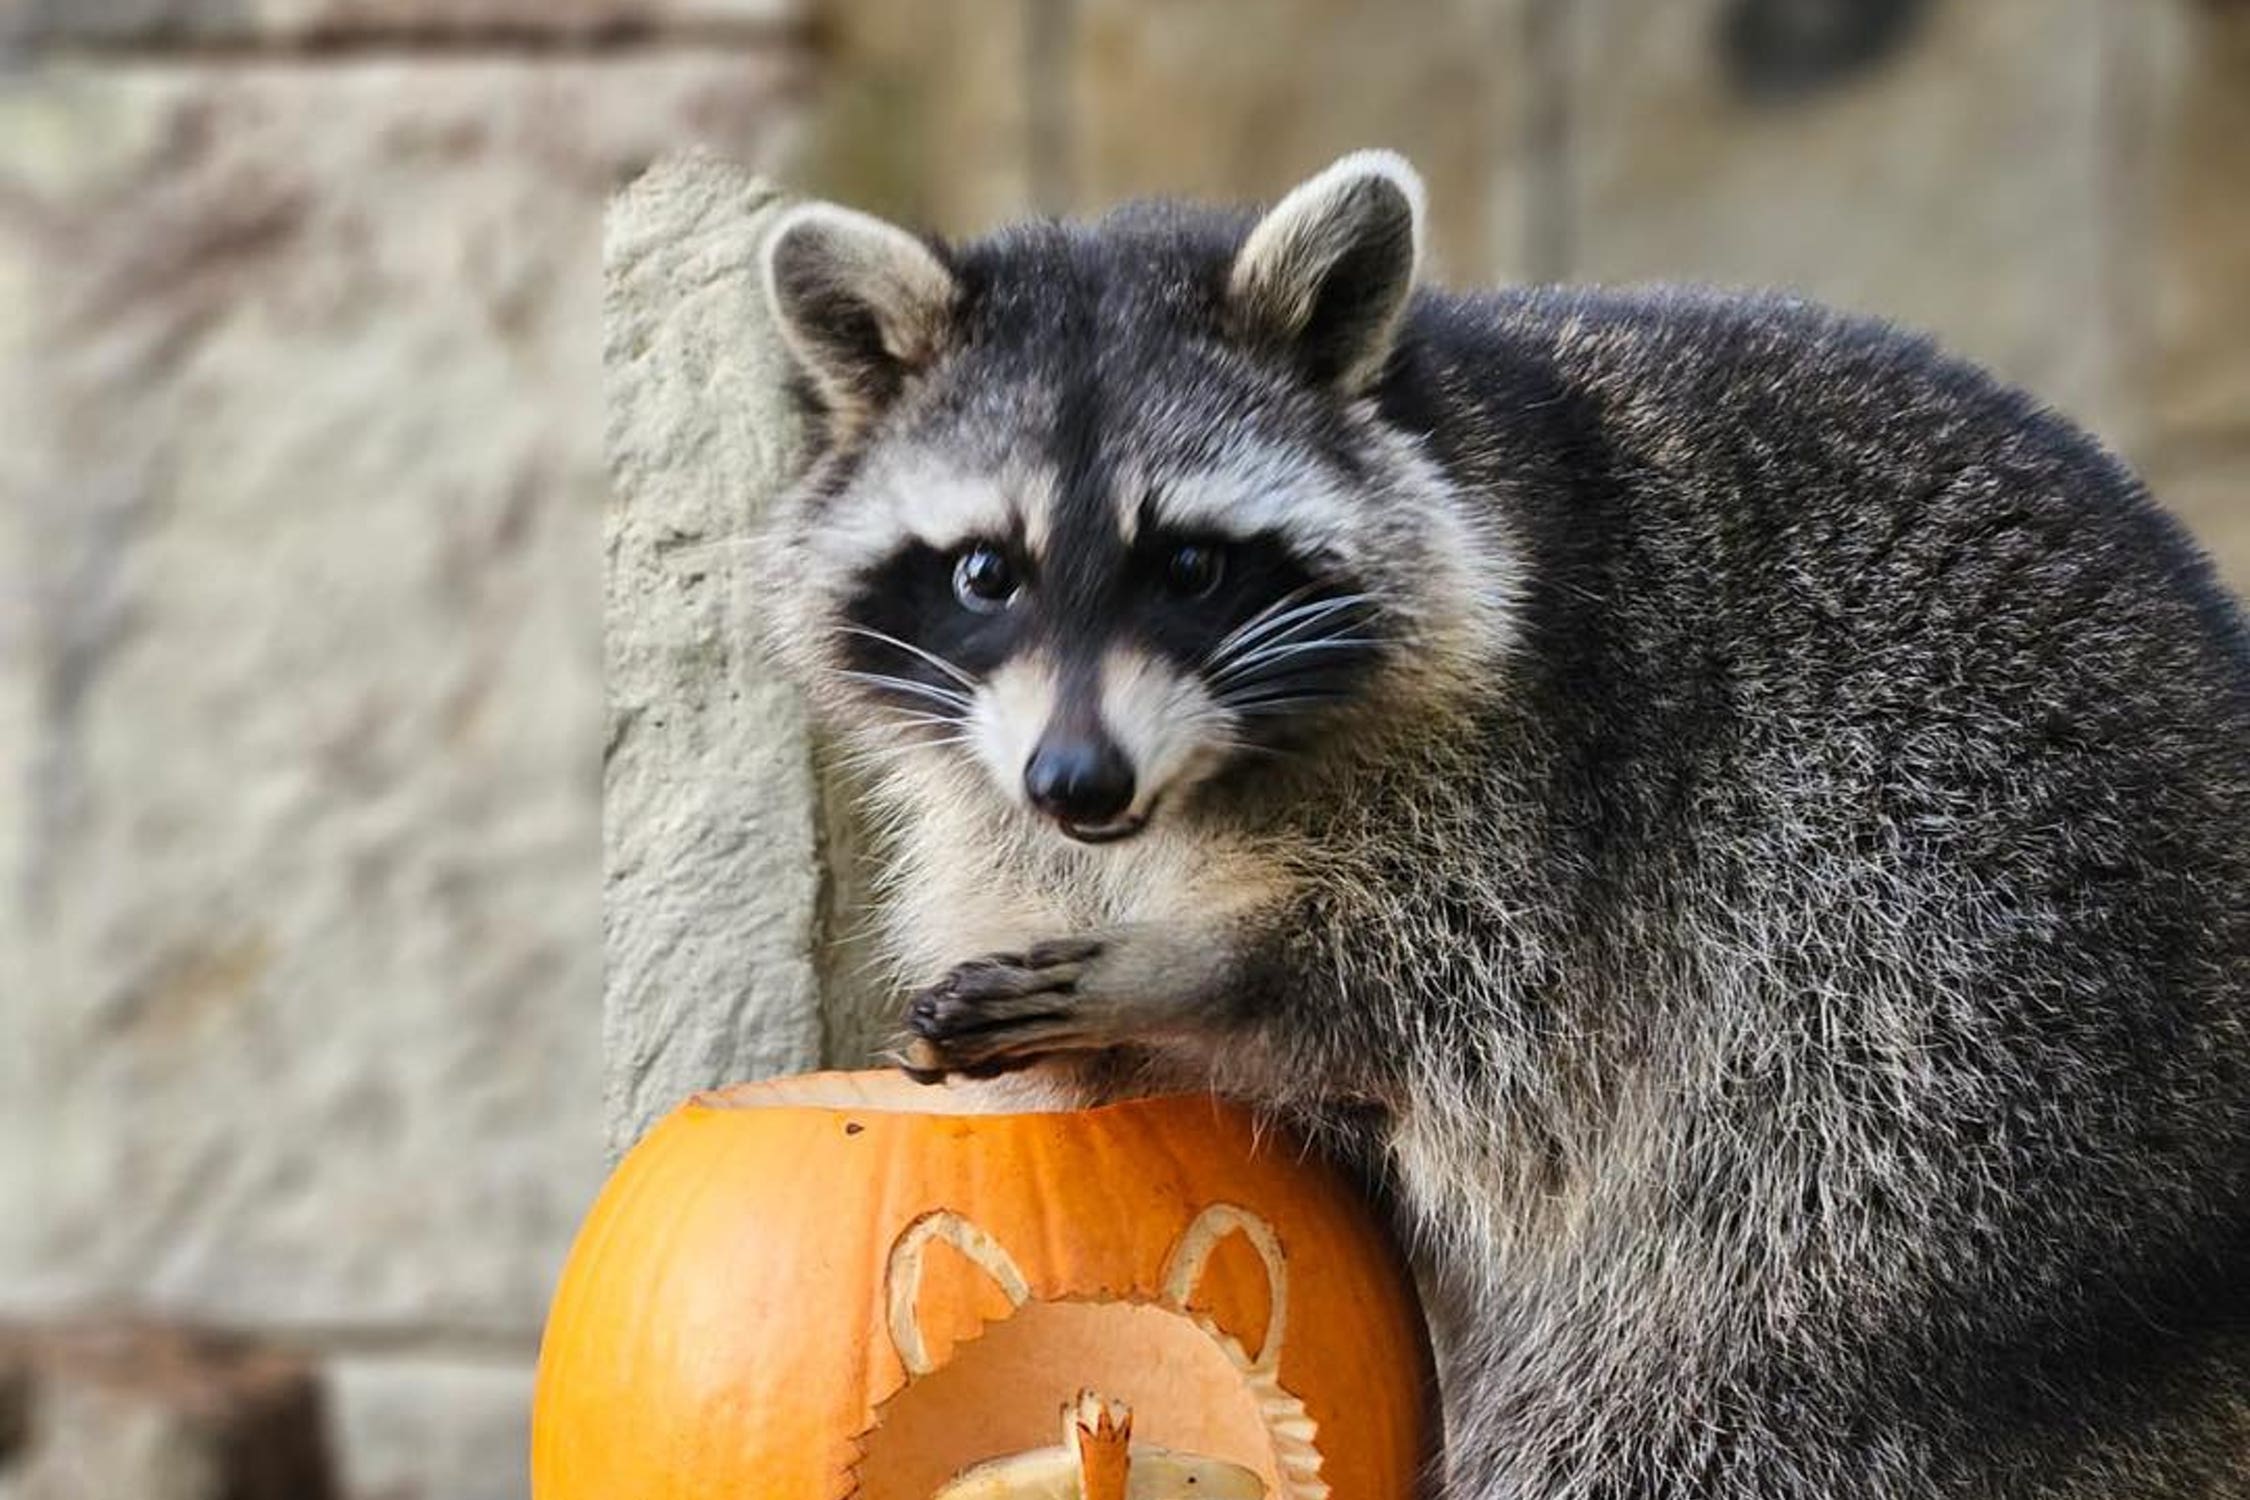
x=1739 y=820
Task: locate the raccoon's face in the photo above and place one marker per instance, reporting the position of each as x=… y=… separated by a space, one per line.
x=1099 y=511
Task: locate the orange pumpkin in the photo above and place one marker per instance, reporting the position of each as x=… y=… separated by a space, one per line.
x=848 y=1285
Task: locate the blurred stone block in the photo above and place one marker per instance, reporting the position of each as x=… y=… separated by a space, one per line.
x=713 y=884
x=2200 y=263
x=413 y=1426
x=15 y=1397
x=22 y=1132
x=143 y=1412
x=309 y=494
x=929 y=111
x=1243 y=100
x=2210 y=491
x=31 y=24
x=1961 y=184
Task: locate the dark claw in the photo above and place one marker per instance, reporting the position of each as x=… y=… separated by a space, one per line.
x=1063 y=951
x=1000 y=979
x=962 y=1024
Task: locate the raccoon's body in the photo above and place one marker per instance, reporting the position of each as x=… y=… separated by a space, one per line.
x=1746 y=820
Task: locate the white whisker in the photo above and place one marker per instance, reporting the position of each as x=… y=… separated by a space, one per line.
x=931 y=691
x=935 y=660
x=1247 y=626
x=1266 y=655
x=1278 y=703
x=1287 y=626
x=882 y=755
x=1234 y=745
x=1278 y=620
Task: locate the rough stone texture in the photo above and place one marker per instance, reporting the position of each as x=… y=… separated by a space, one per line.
x=308 y=858
x=1244 y=100
x=419 y=1428
x=133 y=1410
x=713 y=885
x=1962 y=185
x=32 y=24
x=22 y=1133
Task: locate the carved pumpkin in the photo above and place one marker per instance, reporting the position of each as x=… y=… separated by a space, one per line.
x=849 y=1285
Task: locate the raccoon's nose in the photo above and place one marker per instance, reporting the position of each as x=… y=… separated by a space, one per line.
x=1079 y=781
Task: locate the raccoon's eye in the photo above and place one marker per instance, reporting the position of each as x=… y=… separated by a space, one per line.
x=1194 y=569
x=984 y=580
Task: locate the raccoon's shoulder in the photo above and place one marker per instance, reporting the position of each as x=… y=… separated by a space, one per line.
x=1756 y=400
x=1760 y=438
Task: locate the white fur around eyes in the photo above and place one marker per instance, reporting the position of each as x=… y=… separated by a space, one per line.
x=1264 y=489
x=941 y=508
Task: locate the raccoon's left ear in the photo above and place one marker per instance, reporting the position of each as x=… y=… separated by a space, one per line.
x=1325 y=275
x=862 y=304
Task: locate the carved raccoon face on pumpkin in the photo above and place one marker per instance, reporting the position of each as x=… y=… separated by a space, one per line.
x=850 y=1287
x=1159 y=1399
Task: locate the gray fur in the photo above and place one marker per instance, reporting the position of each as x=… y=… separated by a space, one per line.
x=1774 y=917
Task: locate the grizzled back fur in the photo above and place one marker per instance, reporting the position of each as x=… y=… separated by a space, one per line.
x=1755 y=843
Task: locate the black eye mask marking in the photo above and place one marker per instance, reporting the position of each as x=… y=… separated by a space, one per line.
x=908 y=639
x=1273 y=636
x=1277 y=639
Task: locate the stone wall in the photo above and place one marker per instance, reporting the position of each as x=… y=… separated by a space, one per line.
x=301 y=504
x=300 y=699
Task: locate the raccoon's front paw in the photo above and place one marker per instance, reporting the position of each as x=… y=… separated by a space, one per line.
x=1001 y=1011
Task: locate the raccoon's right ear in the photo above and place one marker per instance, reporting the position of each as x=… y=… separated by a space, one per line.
x=861 y=304
x=1325 y=275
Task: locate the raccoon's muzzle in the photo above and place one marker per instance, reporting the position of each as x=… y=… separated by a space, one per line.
x=1085 y=783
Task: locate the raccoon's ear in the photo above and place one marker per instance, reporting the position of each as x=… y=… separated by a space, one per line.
x=861 y=304
x=1325 y=275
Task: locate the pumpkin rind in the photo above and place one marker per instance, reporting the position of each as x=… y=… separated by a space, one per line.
x=725 y=1322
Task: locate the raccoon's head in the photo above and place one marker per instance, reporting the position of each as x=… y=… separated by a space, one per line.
x=1109 y=511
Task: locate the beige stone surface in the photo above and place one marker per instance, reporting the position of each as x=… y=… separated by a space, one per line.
x=308 y=362
x=713 y=892
x=2199 y=263
x=1244 y=100
x=937 y=113
x=178 y=23
x=1964 y=185
x=19 y=710
x=423 y=1427
x=2195 y=358
x=2210 y=491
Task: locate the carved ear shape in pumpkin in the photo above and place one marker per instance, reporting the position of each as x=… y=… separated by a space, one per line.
x=860 y=303
x=1324 y=277
x=1191 y=1255
x=902 y=1279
